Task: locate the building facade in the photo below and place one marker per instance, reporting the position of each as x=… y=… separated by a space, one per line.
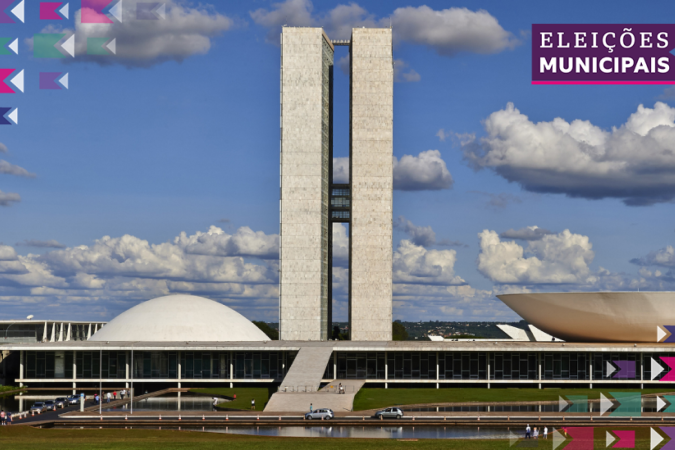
x=309 y=200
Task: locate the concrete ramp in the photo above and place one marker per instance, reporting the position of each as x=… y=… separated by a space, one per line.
x=327 y=397
x=307 y=371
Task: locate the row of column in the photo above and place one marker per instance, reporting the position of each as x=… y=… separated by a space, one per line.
x=68 y=333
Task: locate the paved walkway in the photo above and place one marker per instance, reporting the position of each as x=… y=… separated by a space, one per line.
x=327 y=397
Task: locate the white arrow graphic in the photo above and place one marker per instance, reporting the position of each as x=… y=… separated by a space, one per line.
x=557 y=438
x=112 y=46
x=654 y=439
x=18 y=81
x=660 y=403
x=116 y=11
x=605 y=404
x=609 y=439
x=14 y=116
x=562 y=404
x=660 y=334
x=64 y=10
x=19 y=10
x=14 y=46
x=609 y=369
x=654 y=368
x=64 y=80
x=69 y=45
x=512 y=439
x=161 y=11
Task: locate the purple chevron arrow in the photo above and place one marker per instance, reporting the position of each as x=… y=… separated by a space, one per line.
x=626 y=369
x=48 y=80
x=671 y=330
x=4 y=17
x=3 y=120
x=670 y=431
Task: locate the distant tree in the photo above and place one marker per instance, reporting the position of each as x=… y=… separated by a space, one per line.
x=336 y=333
x=268 y=330
x=399 y=332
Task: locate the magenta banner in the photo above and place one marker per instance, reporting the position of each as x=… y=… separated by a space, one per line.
x=603 y=54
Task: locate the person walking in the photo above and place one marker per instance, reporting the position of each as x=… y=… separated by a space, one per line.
x=9 y=418
x=96 y=398
x=527 y=431
x=114 y=395
x=252 y=403
x=215 y=402
x=2 y=417
x=311 y=407
x=545 y=432
x=123 y=393
x=536 y=433
x=340 y=388
x=108 y=396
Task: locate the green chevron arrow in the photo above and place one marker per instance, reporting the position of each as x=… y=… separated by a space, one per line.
x=44 y=45
x=4 y=50
x=630 y=403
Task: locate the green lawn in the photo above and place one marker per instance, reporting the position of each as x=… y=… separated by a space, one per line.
x=371 y=398
x=20 y=438
x=244 y=396
x=7 y=388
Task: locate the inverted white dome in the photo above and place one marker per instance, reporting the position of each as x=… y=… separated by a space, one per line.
x=180 y=318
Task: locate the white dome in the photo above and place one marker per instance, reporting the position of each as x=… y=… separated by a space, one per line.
x=177 y=318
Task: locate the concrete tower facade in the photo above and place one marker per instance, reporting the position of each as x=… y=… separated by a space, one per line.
x=306 y=140
x=310 y=202
x=371 y=179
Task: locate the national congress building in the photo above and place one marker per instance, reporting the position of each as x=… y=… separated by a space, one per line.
x=310 y=202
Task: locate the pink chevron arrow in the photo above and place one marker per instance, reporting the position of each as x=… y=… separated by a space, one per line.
x=4 y=17
x=92 y=11
x=4 y=87
x=582 y=438
x=48 y=11
x=670 y=362
x=626 y=438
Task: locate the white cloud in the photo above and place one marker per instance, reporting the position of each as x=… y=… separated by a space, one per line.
x=185 y=32
x=52 y=243
x=561 y=258
x=533 y=233
x=451 y=31
x=123 y=270
x=7 y=198
x=341 y=170
x=448 y=31
x=442 y=135
x=634 y=162
x=414 y=264
x=11 y=169
x=343 y=64
x=498 y=201
x=340 y=245
x=3 y=148
x=424 y=236
x=216 y=242
x=403 y=72
x=426 y=171
x=664 y=257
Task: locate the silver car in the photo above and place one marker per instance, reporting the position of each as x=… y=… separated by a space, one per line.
x=38 y=408
x=61 y=402
x=73 y=399
x=389 y=413
x=325 y=414
x=50 y=405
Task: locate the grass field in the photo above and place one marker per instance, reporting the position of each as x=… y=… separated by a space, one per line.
x=371 y=398
x=244 y=396
x=20 y=437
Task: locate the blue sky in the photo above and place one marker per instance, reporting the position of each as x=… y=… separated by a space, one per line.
x=178 y=133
